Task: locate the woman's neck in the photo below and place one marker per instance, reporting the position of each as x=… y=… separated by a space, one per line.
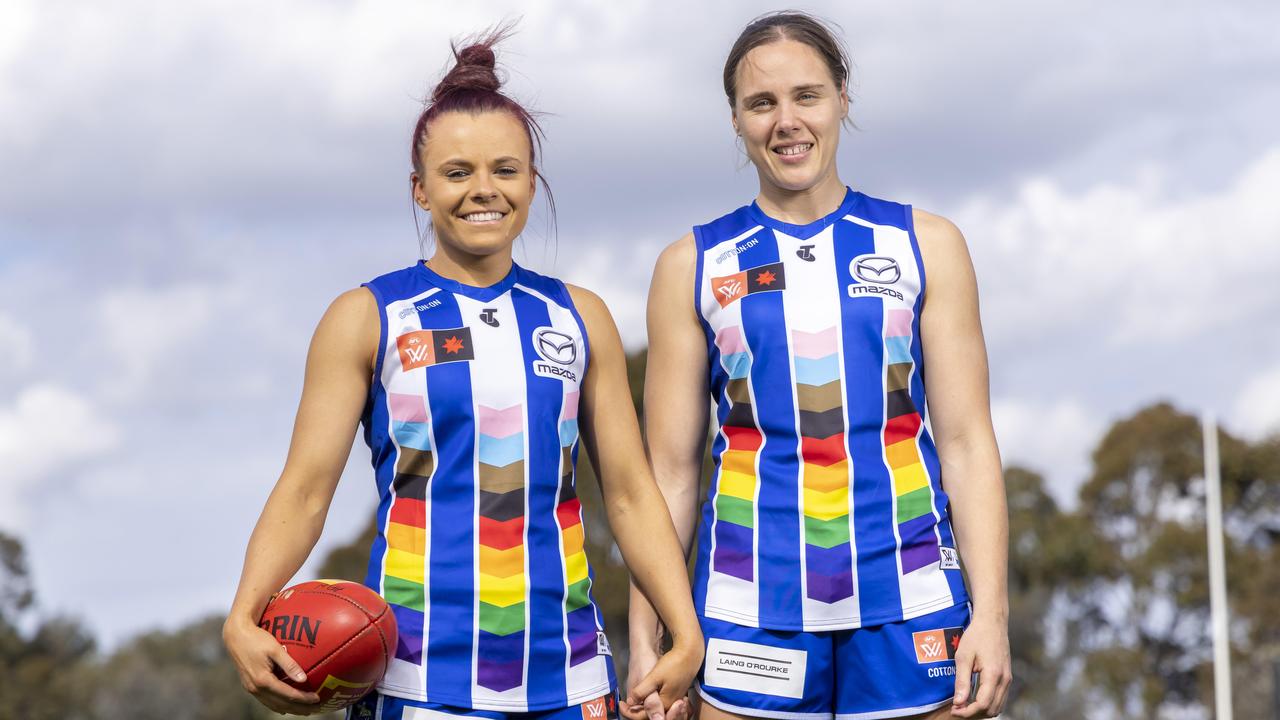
x=801 y=207
x=475 y=270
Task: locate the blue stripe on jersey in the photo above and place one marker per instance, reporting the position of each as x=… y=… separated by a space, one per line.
x=545 y=574
x=861 y=327
x=451 y=573
x=778 y=516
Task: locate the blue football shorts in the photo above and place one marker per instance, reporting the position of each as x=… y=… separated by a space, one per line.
x=884 y=671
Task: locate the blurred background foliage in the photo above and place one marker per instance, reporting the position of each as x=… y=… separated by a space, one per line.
x=1109 y=603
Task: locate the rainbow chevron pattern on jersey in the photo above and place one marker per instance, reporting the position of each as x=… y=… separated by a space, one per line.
x=472 y=424
x=826 y=509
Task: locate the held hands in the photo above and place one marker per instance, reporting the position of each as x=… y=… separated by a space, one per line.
x=984 y=649
x=257 y=655
x=658 y=685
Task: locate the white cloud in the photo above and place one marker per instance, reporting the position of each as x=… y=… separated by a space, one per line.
x=1053 y=439
x=151 y=331
x=1257 y=407
x=17 y=347
x=1127 y=265
x=45 y=436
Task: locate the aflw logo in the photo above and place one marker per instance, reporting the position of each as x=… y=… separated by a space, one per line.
x=934 y=646
x=602 y=708
x=730 y=289
x=419 y=348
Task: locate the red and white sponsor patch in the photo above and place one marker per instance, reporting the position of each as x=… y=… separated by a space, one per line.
x=934 y=646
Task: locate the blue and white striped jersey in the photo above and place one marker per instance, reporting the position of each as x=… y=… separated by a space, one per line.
x=472 y=423
x=826 y=509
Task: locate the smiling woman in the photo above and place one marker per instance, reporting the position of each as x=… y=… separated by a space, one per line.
x=827 y=560
x=477 y=382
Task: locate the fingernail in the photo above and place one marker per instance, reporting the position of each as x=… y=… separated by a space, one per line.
x=300 y=676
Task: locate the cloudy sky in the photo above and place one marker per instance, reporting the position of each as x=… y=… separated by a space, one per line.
x=185 y=186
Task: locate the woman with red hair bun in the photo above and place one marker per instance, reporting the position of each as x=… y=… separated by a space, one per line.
x=476 y=382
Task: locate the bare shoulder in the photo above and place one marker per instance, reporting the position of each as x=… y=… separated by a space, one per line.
x=356 y=301
x=678 y=258
x=350 y=325
x=586 y=301
x=595 y=314
x=936 y=232
x=602 y=332
x=945 y=255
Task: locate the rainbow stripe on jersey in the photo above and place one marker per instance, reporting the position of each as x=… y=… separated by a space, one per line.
x=826 y=509
x=472 y=423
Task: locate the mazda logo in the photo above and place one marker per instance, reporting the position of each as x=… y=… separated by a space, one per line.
x=876 y=269
x=555 y=346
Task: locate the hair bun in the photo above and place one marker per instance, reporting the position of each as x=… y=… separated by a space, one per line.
x=479 y=55
x=473 y=71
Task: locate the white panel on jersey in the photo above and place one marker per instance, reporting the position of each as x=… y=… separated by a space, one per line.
x=493 y=385
x=812 y=305
x=730 y=598
x=587 y=680
x=925 y=589
x=404 y=677
x=754 y=668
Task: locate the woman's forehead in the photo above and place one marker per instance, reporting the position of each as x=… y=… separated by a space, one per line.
x=485 y=133
x=781 y=63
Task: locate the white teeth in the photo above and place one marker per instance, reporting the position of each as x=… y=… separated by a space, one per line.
x=482 y=217
x=795 y=149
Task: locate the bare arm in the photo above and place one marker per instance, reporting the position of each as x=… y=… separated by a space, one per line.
x=956 y=383
x=635 y=507
x=676 y=416
x=339 y=368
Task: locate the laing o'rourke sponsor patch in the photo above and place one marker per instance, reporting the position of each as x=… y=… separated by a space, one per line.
x=728 y=288
x=420 y=348
x=933 y=646
x=755 y=668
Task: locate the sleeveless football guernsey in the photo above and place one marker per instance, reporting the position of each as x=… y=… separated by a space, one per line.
x=826 y=509
x=472 y=424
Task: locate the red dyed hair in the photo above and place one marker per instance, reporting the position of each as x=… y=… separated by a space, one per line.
x=471 y=86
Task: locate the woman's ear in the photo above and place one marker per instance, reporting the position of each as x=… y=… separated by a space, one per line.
x=419 y=195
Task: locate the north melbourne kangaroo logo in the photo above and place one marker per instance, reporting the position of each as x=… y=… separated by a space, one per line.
x=876 y=269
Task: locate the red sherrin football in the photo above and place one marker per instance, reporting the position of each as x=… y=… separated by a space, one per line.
x=341 y=633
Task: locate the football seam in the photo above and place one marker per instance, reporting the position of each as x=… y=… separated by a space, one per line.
x=353 y=638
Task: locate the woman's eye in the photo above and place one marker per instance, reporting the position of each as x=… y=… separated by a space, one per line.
x=507 y=171
x=808 y=96
x=456 y=174
x=761 y=104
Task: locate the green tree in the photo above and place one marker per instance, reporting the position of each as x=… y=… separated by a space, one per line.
x=1137 y=609
x=42 y=672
